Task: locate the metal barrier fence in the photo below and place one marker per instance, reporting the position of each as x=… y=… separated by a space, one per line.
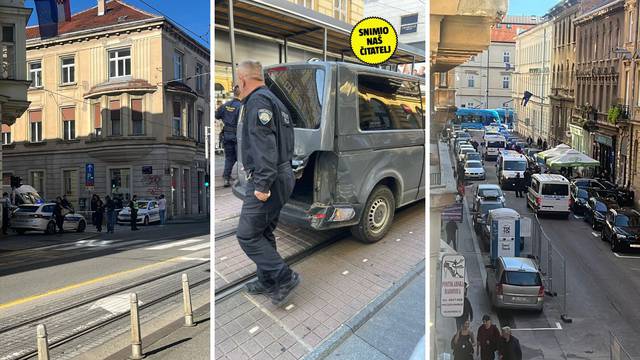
x=552 y=264
x=616 y=350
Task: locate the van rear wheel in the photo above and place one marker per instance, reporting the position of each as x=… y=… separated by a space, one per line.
x=377 y=217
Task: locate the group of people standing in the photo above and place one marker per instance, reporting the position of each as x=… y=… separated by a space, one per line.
x=108 y=206
x=487 y=343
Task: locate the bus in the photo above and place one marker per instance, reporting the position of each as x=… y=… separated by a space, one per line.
x=476 y=118
x=507 y=117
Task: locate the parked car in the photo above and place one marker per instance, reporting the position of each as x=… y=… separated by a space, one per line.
x=473 y=156
x=360 y=145
x=481 y=210
x=39 y=217
x=579 y=198
x=622 y=229
x=473 y=170
x=596 y=210
x=515 y=283
x=464 y=151
x=624 y=196
x=148 y=212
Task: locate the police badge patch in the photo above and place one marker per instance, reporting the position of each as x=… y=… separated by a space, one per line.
x=264 y=116
x=285 y=117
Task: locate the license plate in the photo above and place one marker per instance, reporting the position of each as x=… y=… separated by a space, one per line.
x=519 y=299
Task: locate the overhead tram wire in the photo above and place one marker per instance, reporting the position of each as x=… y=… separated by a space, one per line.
x=177 y=23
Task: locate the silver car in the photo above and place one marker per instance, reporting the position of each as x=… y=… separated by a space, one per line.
x=39 y=217
x=515 y=283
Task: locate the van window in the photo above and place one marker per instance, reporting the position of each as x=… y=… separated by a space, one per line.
x=555 y=189
x=389 y=104
x=515 y=165
x=535 y=185
x=522 y=278
x=301 y=90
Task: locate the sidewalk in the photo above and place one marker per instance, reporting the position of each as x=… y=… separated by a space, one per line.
x=393 y=332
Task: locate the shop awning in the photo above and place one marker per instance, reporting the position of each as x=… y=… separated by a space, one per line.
x=572 y=158
x=553 y=152
x=281 y=19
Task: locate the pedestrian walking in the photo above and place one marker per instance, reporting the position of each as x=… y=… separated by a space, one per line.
x=544 y=145
x=265 y=144
x=58 y=215
x=451 y=228
x=509 y=346
x=539 y=143
x=110 y=207
x=162 y=206
x=228 y=113
x=527 y=178
x=6 y=208
x=519 y=185
x=474 y=144
x=99 y=214
x=133 y=207
x=467 y=311
x=93 y=207
x=463 y=343
x=488 y=339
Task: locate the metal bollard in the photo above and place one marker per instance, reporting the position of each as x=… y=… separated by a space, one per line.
x=43 y=343
x=186 y=297
x=136 y=340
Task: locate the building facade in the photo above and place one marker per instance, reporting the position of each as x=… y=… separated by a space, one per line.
x=13 y=78
x=563 y=76
x=122 y=92
x=485 y=81
x=533 y=63
x=408 y=19
x=599 y=38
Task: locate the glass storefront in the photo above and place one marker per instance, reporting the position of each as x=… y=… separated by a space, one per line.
x=120 y=181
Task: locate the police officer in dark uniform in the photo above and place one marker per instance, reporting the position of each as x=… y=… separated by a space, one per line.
x=265 y=145
x=228 y=113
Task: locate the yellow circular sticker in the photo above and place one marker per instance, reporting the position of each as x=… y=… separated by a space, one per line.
x=373 y=40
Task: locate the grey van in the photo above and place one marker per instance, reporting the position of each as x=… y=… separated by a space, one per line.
x=359 y=145
x=515 y=283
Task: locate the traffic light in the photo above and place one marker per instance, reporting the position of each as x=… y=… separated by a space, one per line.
x=206 y=180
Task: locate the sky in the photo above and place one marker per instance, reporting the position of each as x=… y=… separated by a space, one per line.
x=195 y=17
x=530 y=7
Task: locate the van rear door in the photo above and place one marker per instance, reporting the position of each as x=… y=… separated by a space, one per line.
x=305 y=90
x=555 y=197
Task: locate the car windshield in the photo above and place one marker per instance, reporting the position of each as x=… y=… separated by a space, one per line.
x=630 y=221
x=495 y=144
x=27 y=209
x=515 y=165
x=490 y=193
x=582 y=194
x=473 y=156
x=522 y=278
x=142 y=204
x=484 y=208
x=473 y=164
x=555 y=189
x=600 y=206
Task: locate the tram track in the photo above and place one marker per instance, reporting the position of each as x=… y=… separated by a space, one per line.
x=19 y=348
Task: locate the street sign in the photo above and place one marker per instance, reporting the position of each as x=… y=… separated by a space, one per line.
x=147 y=170
x=452 y=212
x=452 y=286
x=89 y=175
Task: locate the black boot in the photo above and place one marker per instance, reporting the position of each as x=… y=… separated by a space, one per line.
x=258 y=287
x=227 y=182
x=280 y=296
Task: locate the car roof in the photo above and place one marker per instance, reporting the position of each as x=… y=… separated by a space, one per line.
x=488 y=186
x=551 y=178
x=518 y=264
x=626 y=211
x=473 y=161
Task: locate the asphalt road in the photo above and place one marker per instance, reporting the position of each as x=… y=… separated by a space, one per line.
x=66 y=266
x=602 y=292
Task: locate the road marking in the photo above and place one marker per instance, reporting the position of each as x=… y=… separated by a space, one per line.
x=84 y=243
x=221 y=276
x=558 y=327
x=595 y=234
x=626 y=256
x=115 y=304
x=84 y=283
x=254 y=329
x=173 y=244
x=205 y=245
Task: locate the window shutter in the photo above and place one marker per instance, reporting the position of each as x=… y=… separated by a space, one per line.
x=35 y=116
x=68 y=114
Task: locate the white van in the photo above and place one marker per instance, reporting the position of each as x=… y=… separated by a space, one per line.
x=493 y=144
x=510 y=163
x=549 y=193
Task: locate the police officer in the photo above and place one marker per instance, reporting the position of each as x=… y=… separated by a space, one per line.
x=133 y=212
x=265 y=146
x=228 y=113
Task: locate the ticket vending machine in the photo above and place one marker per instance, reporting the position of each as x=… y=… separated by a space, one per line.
x=505 y=233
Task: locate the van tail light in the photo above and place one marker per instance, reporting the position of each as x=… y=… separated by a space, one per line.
x=499 y=289
x=541 y=291
x=538 y=201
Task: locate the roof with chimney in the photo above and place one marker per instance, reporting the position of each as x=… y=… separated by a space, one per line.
x=116 y=13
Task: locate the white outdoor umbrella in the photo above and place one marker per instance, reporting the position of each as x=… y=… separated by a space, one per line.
x=572 y=158
x=553 y=152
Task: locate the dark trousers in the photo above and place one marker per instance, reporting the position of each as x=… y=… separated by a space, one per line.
x=60 y=223
x=519 y=192
x=134 y=219
x=98 y=221
x=5 y=221
x=230 y=158
x=257 y=222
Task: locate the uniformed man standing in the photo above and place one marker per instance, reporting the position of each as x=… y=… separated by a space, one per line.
x=265 y=146
x=228 y=113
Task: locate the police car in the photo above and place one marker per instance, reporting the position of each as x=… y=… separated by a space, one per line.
x=148 y=212
x=39 y=217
